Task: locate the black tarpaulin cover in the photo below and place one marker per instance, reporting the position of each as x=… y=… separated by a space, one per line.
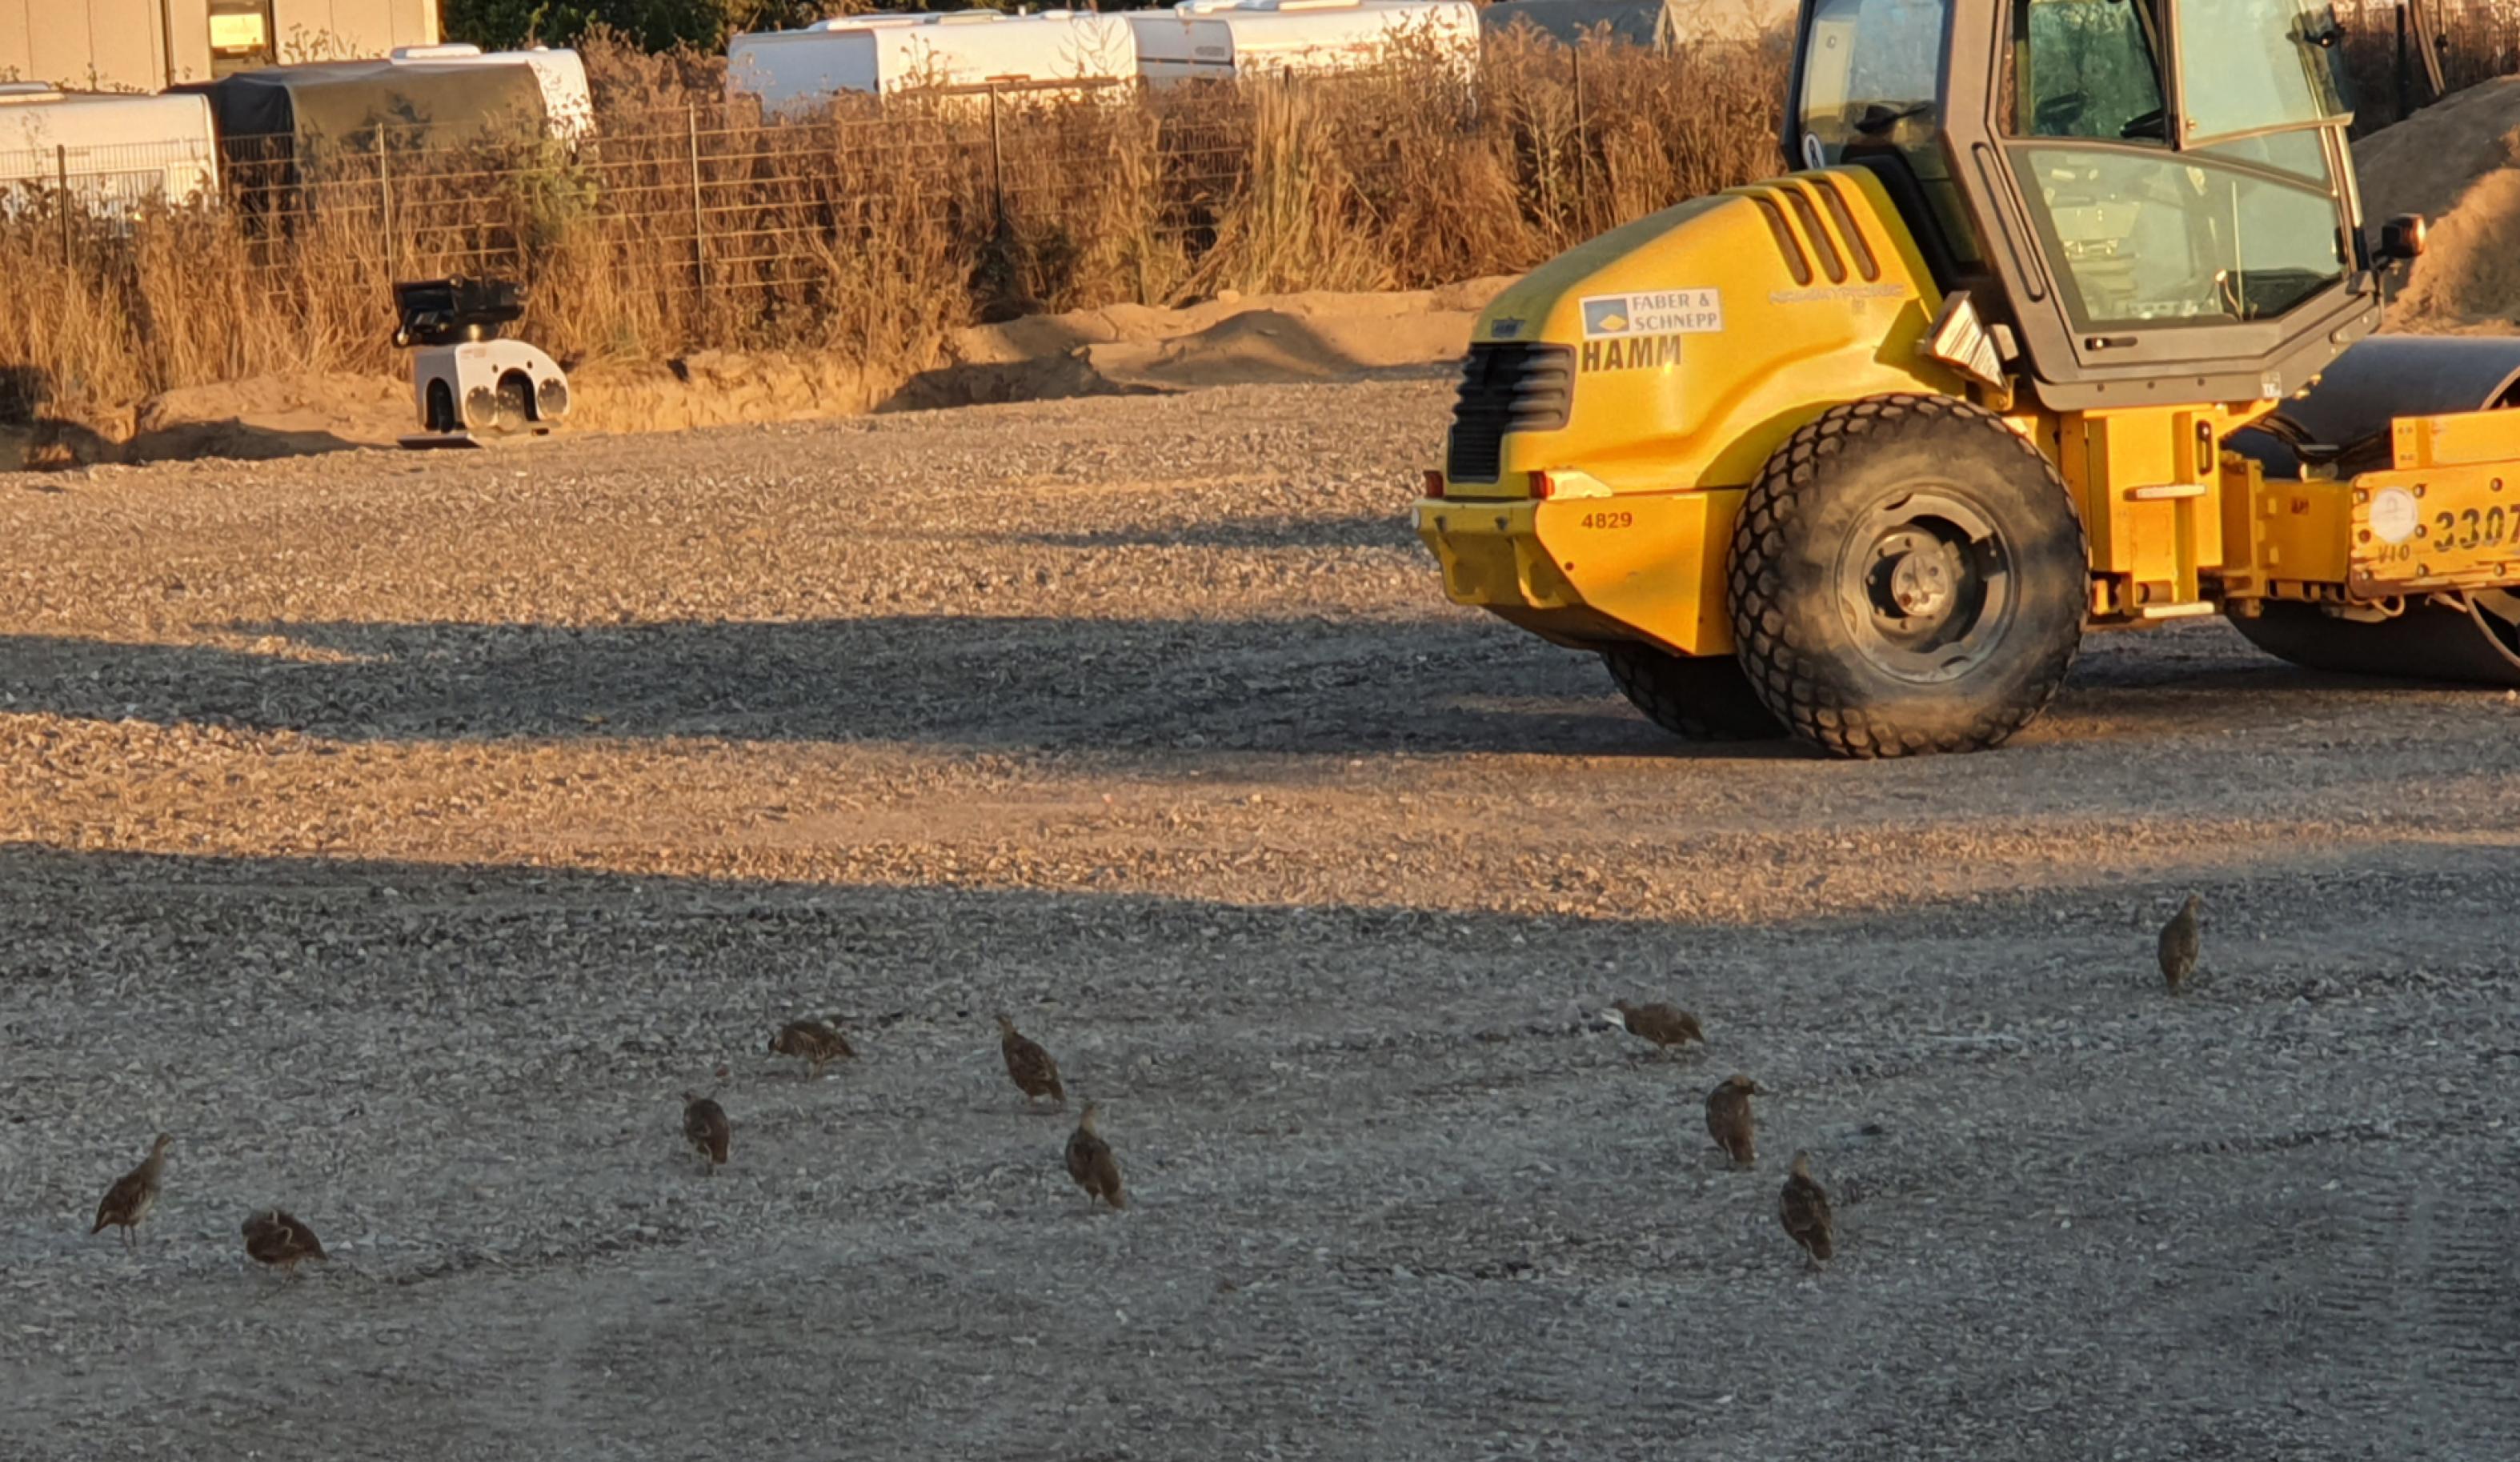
x=343 y=103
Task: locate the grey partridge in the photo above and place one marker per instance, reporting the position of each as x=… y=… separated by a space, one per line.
x=1664 y=1025
x=1030 y=1067
x=706 y=1127
x=134 y=1193
x=1090 y=1161
x=2180 y=940
x=1803 y=1208
x=1730 y=1122
x=277 y=1237
x=817 y=1043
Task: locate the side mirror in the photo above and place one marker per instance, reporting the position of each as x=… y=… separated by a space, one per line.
x=2403 y=238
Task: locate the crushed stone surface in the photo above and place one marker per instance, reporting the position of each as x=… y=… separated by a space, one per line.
x=405 y=834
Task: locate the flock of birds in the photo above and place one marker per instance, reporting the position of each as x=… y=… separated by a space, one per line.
x=279 y=1239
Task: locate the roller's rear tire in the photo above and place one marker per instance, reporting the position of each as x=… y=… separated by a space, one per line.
x=1909 y=575
x=1694 y=697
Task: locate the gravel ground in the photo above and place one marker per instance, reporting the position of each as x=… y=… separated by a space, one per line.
x=406 y=834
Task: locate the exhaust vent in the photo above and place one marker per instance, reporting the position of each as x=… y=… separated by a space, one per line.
x=1507 y=385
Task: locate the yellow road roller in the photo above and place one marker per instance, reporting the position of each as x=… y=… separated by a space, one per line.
x=2064 y=323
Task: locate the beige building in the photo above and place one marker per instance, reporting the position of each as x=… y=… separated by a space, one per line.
x=125 y=45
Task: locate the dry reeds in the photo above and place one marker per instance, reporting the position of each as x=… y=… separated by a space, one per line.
x=869 y=232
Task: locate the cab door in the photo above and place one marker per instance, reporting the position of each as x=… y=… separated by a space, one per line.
x=2165 y=193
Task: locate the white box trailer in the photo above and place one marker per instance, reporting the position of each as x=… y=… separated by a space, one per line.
x=1225 y=39
x=569 y=106
x=117 y=151
x=891 y=55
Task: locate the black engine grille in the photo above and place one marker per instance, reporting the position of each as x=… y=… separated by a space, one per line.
x=1507 y=385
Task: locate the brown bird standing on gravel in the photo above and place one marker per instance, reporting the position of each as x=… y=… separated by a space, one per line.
x=1090 y=1161
x=705 y=1124
x=1730 y=1122
x=1658 y=1023
x=134 y=1193
x=1803 y=1208
x=814 y=1042
x=1034 y=1073
x=275 y=1236
x=2180 y=939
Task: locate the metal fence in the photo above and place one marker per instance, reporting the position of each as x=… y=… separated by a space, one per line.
x=742 y=203
x=2401 y=57
x=110 y=179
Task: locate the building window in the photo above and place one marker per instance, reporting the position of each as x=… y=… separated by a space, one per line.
x=241 y=37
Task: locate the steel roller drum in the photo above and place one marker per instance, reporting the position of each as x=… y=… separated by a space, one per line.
x=2348 y=410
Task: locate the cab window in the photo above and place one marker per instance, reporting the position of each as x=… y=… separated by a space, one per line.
x=1871 y=71
x=2258 y=65
x=1871 y=82
x=2084 y=68
x=2156 y=239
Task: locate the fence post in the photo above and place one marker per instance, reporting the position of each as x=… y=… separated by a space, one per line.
x=2403 y=109
x=384 y=201
x=1583 y=144
x=62 y=173
x=997 y=166
x=700 y=226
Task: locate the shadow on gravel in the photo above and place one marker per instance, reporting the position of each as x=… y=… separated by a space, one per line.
x=1364 y=530
x=1172 y=687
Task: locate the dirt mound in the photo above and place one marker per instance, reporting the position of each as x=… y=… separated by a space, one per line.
x=1124 y=349
x=293 y=415
x=2455 y=164
x=718 y=388
x=1228 y=340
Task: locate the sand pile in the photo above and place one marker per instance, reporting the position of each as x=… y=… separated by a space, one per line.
x=2458 y=162
x=1235 y=341
x=1229 y=340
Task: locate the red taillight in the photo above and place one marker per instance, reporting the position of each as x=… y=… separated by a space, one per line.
x=1542 y=486
x=1434 y=483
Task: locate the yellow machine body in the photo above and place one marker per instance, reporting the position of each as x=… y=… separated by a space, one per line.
x=1702 y=338
x=1696 y=337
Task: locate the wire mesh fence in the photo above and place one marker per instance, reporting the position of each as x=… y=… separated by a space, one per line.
x=2387 y=43
x=718 y=180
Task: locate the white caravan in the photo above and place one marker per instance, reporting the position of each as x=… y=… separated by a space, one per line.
x=117 y=151
x=793 y=71
x=1226 y=39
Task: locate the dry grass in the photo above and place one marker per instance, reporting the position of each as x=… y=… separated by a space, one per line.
x=687 y=224
x=872 y=234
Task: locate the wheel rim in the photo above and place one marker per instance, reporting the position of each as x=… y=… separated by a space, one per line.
x=1925 y=586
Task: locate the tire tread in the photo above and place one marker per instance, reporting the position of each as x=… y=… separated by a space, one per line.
x=1796 y=691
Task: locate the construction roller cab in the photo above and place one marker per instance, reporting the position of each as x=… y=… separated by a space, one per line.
x=2060 y=327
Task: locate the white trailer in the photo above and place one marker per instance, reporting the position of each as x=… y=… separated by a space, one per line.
x=568 y=108
x=963 y=51
x=1226 y=39
x=115 y=150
